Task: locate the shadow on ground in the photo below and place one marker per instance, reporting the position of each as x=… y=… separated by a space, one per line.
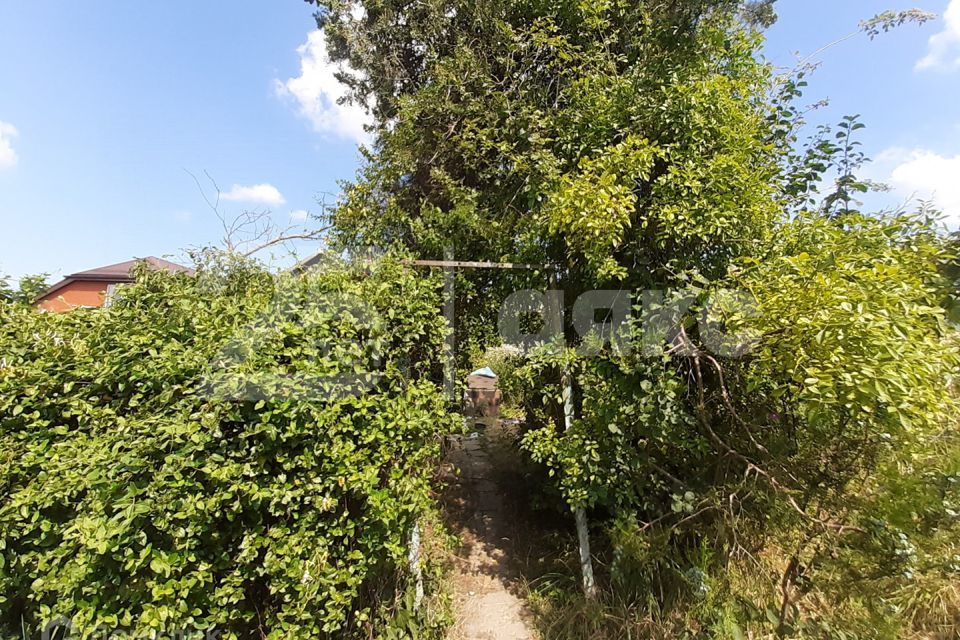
x=488 y=504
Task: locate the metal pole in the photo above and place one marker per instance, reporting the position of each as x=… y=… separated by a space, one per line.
x=579 y=513
x=449 y=312
x=415 y=569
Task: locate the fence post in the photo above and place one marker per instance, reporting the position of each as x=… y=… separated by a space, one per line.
x=449 y=341
x=416 y=570
x=579 y=513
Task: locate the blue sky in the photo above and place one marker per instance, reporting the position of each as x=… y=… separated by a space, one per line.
x=105 y=106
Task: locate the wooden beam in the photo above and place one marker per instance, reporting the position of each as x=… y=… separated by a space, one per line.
x=461 y=264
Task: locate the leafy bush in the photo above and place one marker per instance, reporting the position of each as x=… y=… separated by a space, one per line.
x=826 y=457
x=235 y=451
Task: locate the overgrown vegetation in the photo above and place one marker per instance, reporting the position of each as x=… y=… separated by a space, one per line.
x=746 y=487
x=237 y=451
x=776 y=455
x=767 y=493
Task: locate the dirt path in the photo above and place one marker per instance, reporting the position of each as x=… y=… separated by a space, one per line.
x=487 y=603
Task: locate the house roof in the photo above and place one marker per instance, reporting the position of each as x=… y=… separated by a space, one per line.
x=305 y=265
x=117 y=273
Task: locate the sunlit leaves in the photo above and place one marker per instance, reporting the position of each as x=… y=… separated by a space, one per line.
x=145 y=493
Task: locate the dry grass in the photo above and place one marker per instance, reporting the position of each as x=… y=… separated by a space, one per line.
x=932 y=609
x=929 y=609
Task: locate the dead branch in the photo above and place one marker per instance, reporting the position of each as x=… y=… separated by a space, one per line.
x=253 y=231
x=750 y=466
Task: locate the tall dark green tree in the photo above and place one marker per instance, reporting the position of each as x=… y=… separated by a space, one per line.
x=498 y=124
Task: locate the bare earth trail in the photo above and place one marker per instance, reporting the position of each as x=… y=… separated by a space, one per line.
x=488 y=602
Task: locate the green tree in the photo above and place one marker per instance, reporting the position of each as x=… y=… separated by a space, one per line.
x=647 y=145
x=499 y=123
x=27 y=291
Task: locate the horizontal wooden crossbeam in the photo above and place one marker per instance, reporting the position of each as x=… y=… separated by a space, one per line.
x=461 y=264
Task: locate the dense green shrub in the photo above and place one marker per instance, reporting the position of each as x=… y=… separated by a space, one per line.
x=825 y=456
x=236 y=450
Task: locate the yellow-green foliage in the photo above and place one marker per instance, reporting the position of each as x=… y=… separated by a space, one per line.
x=824 y=458
x=594 y=206
x=852 y=320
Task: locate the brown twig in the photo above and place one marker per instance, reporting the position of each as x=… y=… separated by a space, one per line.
x=253 y=231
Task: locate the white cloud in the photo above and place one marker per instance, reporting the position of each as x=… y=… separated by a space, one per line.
x=943 y=49
x=924 y=174
x=317 y=93
x=8 y=157
x=260 y=193
x=299 y=215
